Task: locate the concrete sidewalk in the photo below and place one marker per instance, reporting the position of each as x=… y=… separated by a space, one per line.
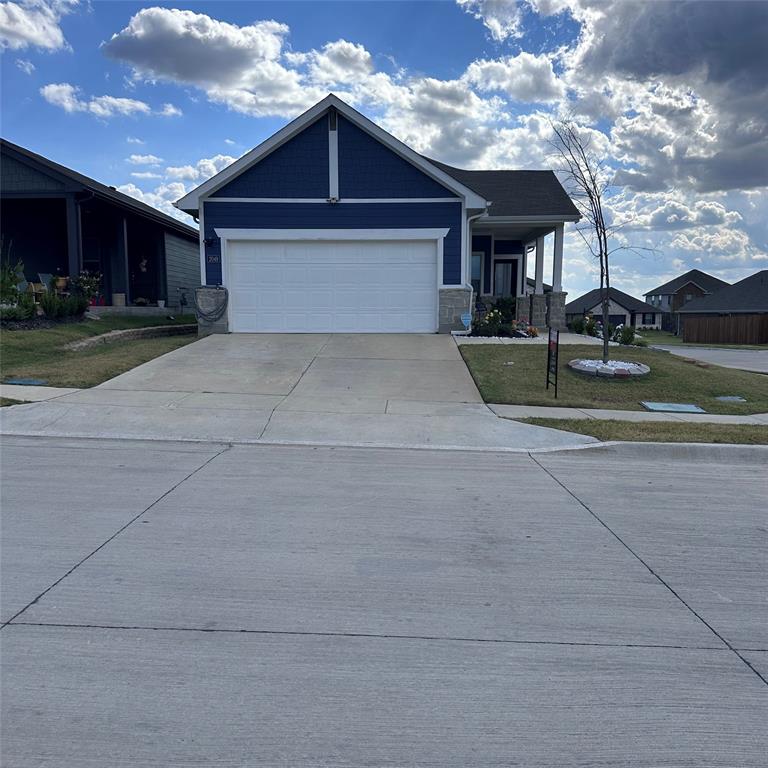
x=554 y=412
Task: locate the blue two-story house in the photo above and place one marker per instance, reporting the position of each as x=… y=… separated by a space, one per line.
x=333 y=225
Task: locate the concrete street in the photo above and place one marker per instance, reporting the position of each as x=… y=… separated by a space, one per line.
x=744 y=359
x=384 y=390
x=206 y=603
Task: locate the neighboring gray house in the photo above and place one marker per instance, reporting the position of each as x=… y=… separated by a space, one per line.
x=56 y=220
x=332 y=224
x=675 y=294
x=624 y=309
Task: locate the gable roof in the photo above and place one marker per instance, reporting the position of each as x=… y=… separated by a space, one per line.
x=191 y=201
x=707 y=283
x=594 y=297
x=102 y=190
x=517 y=193
x=749 y=295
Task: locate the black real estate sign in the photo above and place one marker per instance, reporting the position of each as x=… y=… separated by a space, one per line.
x=553 y=349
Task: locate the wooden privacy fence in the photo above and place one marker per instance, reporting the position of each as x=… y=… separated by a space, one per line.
x=726 y=329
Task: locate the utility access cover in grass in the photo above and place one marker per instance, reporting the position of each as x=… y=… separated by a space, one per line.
x=673 y=407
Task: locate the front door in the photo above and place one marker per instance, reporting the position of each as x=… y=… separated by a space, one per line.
x=505 y=277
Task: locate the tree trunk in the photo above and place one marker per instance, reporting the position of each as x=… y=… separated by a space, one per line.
x=606 y=316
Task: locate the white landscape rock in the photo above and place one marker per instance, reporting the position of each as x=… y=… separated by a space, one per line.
x=616 y=369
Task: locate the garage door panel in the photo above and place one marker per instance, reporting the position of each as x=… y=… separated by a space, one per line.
x=340 y=286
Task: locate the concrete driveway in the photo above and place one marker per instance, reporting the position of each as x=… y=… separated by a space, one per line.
x=744 y=359
x=197 y=604
x=378 y=389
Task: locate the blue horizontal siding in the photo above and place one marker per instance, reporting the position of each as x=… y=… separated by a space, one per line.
x=335 y=216
x=298 y=168
x=367 y=168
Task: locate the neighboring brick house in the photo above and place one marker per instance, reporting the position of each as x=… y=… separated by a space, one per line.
x=623 y=309
x=671 y=297
x=736 y=314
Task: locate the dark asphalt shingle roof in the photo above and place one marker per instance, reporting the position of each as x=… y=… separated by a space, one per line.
x=102 y=190
x=706 y=282
x=516 y=193
x=594 y=297
x=748 y=295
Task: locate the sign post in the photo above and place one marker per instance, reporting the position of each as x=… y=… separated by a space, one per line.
x=553 y=349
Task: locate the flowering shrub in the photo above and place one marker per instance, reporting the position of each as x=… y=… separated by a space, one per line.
x=489 y=324
x=87 y=283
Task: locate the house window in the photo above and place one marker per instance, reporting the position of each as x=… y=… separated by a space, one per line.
x=688 y=296
x=477 y=266
x=649 y=318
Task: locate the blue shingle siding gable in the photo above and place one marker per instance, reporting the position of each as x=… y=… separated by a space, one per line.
x=368 y=169
x=335 y=216
x=298 y=168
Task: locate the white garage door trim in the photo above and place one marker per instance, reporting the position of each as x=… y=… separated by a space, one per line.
x=259 y=235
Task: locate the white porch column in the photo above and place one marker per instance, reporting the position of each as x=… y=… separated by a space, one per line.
x=539 y=265
x=557 y=263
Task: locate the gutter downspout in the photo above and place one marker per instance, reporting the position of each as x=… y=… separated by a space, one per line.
x=468 y=246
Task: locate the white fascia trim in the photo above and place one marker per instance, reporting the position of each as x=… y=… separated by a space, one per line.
x=456 y=200
x=333 y=163
x=191 y=201
x=331 y=234
x=491 y=220
x=203 y=268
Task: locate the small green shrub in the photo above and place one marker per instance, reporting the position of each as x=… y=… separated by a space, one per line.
x=10 y=277
x=507 y=305
x=17 y=312
x=590 y=326
x=75 y=305
x=577 y=325
x=50 y=303
x=625 y=335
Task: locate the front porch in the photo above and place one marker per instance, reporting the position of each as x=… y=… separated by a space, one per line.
x=501 y=255
x=64 y=235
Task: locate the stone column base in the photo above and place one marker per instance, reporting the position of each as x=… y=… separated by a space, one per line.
x=538 y=316
x=453 y=303
x=208 y=299
x=556 y=310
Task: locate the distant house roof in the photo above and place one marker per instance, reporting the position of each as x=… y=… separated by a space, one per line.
x=516 y=193
x=104 y=191
x=707 y=283
x=749 y=295
x=594 y=297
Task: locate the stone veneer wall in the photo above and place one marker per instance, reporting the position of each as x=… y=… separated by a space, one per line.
x=454 y=302
x=208 y=299
x=556 y=310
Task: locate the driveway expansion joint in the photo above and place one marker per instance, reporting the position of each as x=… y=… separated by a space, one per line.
x=653 y=573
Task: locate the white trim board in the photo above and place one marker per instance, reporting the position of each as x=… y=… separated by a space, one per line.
x=456 y=200
x=191 y=201
x=331 y=234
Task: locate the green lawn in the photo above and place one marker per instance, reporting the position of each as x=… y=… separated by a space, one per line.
x=659 y=431
x=9 y=401
x=671 y=379
x=38 y=353
x=669 y=339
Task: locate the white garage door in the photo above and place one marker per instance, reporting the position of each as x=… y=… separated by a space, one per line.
x=349 y=286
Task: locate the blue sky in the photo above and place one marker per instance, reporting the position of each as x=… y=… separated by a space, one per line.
x=154 y=97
